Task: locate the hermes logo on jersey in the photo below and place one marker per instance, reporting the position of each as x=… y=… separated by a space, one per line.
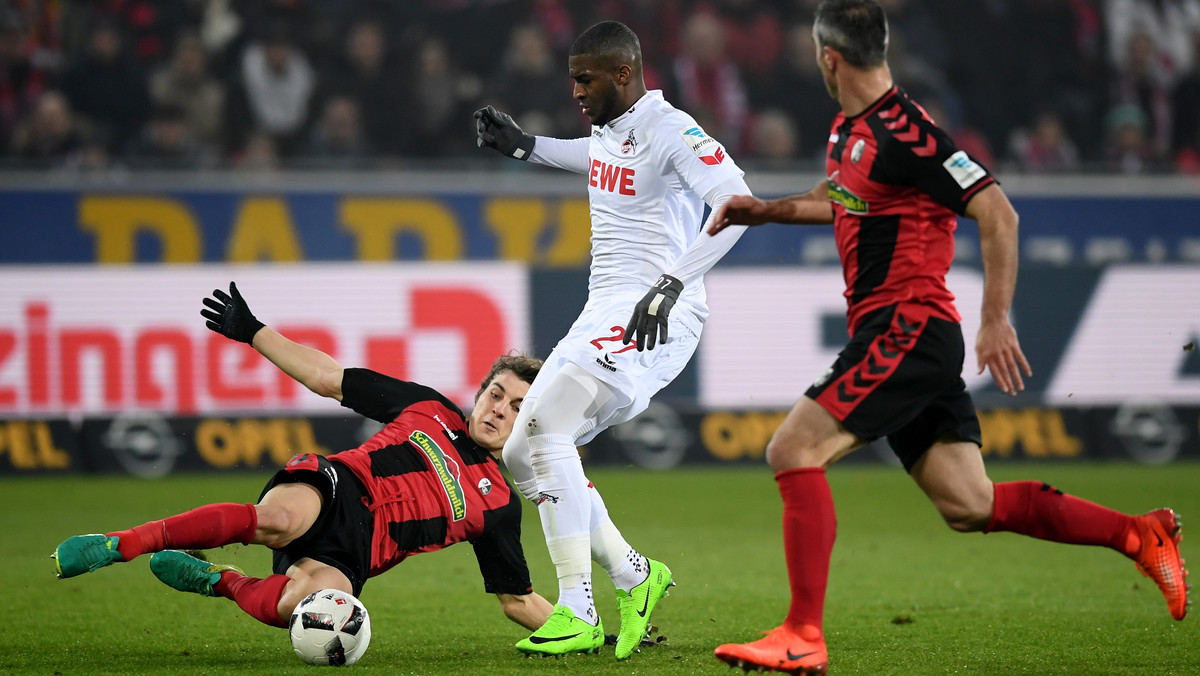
x=437 y=459
x=964 y=171
x=696 y=139
x=610 y=177
x=849 y=201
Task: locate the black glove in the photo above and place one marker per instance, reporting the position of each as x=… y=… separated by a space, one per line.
x=230 y=316
x=498 y=130
x=650 y=315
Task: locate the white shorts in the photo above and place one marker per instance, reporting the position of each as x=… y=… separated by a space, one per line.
x=594 y=344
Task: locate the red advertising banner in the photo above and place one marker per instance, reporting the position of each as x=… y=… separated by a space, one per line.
x=94 y=340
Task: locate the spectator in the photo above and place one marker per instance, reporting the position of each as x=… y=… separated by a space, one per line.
x=753 y=33
x=708 y=84
x=1145 y=82
x=1169 y=24
x=50 y=136
x=661 y=19
x=22 y=82
x=443 y=97
x=276 y=89
x=337 y=138
x=368 y=74
x=103 y=86
x=186 y=83
x=1127 y=150
x=1046 y=147
x=916 y=22
x=773 y=141
x=1000 y=85
x=257 y=154
x=529 y=85
x=794 y=85
x=168 y=142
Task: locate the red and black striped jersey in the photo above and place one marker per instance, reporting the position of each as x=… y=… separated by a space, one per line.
x=429 y=485
x=896 y=182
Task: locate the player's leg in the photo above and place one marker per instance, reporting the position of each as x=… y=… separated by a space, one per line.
x=269 y=600
x=640 y=582
x=285 y=512
x=872 y=388
x=808 y=440
x=205 y=527
x=952 y=474
x=320 y=530
x=560 y=414
x=516 y=453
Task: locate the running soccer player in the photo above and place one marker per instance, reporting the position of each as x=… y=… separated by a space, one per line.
x=895 y=184
x=427 y=480
x=650 y=170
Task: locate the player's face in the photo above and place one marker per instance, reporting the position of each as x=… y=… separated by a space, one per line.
x=491 y=421
x=595 y=89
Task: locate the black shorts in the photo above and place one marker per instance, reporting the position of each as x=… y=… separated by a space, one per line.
x=341 y=535
x=900 y=377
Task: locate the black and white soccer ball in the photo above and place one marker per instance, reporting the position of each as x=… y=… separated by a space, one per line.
x=330 y=627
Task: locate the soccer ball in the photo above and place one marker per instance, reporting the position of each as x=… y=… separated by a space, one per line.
x=330 y=627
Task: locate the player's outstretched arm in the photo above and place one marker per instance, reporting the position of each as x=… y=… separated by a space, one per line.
x=810 y=208
x=229 y=315
x=528 y=610
x=996 y=346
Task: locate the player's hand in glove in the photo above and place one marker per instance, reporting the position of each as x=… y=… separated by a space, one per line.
x=649 y=319
x=229 y=315
x=497 y=130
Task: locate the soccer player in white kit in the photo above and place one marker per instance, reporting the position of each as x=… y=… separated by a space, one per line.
x=650 y=170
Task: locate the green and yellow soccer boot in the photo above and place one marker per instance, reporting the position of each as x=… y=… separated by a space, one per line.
x=84 y=553
x=187 y=573
x=637 y=604
x=562 y=634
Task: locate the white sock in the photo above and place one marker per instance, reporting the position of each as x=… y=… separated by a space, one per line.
x=565 y=510
x=623 y=563
x=579 y=596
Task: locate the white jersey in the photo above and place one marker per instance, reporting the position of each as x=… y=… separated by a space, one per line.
x=648 y=173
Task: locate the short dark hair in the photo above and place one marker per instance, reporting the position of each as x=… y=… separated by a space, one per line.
x=856 y=28
x=609 y=38
x=525 y=368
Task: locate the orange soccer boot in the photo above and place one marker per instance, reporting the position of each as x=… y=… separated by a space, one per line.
x=783 y=649
x=1158 y=557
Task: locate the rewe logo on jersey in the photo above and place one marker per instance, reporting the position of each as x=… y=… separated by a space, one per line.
x=610 y=177
x=714 y=159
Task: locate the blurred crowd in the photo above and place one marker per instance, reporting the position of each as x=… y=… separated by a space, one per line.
x=1024 y=85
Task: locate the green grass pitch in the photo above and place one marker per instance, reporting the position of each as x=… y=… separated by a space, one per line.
x=906 y=596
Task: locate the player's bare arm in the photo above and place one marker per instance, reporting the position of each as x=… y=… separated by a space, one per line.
x=996 y=346
x=229 y=315
x=528 y=610
x=810 y=208
x=312 y=368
